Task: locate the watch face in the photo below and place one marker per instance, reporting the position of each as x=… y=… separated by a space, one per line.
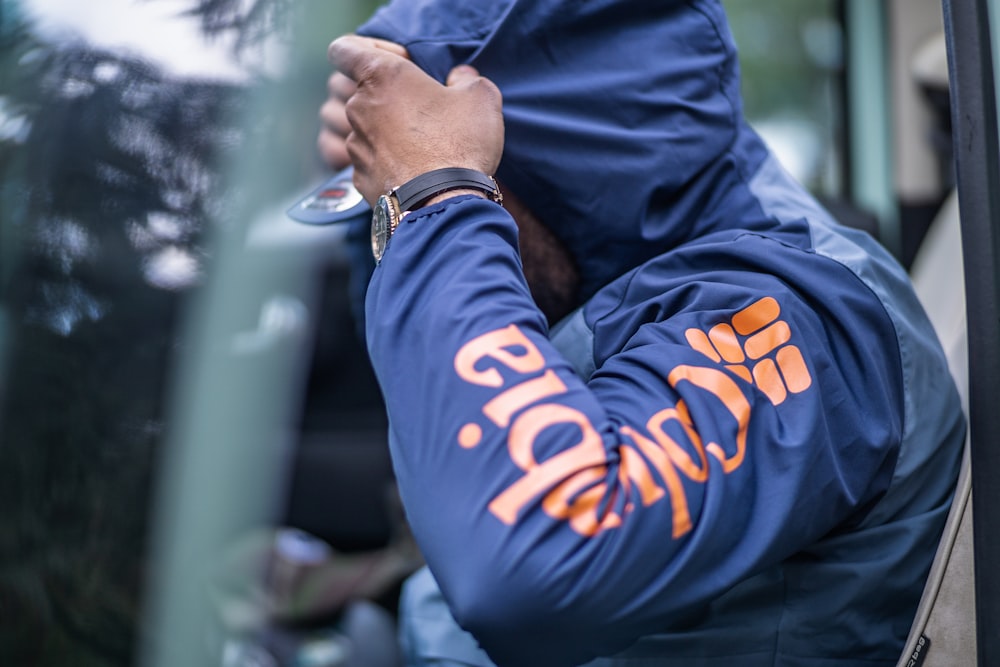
x=382 y=226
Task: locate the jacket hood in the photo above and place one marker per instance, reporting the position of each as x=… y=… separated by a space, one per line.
x=617 y=111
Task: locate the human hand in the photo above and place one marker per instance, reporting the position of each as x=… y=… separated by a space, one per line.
x=404 y=123
x=334 y=128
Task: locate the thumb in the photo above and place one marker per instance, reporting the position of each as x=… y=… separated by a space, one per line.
x=462 y=74
x=356 y=57
x=391 y=47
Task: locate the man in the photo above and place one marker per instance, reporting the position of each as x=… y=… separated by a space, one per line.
x=741 y=447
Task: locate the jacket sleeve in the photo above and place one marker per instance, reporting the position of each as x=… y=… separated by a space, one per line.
x=564 y=519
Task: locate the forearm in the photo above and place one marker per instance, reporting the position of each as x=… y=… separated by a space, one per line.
x=445 y=281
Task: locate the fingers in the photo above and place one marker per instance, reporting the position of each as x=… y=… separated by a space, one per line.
x=334 y=126
x=339 y=87
x=467 y=76
x=375 y=42
x=462 y=74
x=333 y=116
x=333 y=150
x=359 y=57
x=391 y=47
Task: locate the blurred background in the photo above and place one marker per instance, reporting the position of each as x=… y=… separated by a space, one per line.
x=180 y=365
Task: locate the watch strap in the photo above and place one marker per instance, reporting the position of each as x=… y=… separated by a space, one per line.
x=418 y=190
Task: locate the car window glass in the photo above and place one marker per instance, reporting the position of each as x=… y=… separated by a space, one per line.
x=791 y=59
x=120 y=123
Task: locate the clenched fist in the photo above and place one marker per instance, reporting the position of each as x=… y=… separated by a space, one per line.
x=334 y=128
x=400 y=122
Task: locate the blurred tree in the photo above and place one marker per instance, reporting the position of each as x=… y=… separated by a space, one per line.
x=256 y=20
x=109 y=175
x=252 y=21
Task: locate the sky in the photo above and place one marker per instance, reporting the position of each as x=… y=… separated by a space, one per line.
x=152 y=29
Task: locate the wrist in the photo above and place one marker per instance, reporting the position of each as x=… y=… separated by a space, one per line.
x=439 y=184
x=428 y=188
x=450 y=194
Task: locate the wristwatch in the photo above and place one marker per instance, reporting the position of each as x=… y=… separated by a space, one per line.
x=393 y=206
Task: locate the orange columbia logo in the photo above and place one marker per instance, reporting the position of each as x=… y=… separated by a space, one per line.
x=753 y=345
x=654 y=459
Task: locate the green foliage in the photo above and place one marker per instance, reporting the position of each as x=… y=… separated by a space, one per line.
x=787 y=47
x=791 y=58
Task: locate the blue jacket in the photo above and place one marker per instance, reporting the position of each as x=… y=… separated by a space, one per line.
x=740 y=450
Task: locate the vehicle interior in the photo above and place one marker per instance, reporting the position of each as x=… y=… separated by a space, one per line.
x=193 y=458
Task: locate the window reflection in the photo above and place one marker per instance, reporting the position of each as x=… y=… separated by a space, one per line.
x=110 y=173
x=115 y=175
x=791 y=58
